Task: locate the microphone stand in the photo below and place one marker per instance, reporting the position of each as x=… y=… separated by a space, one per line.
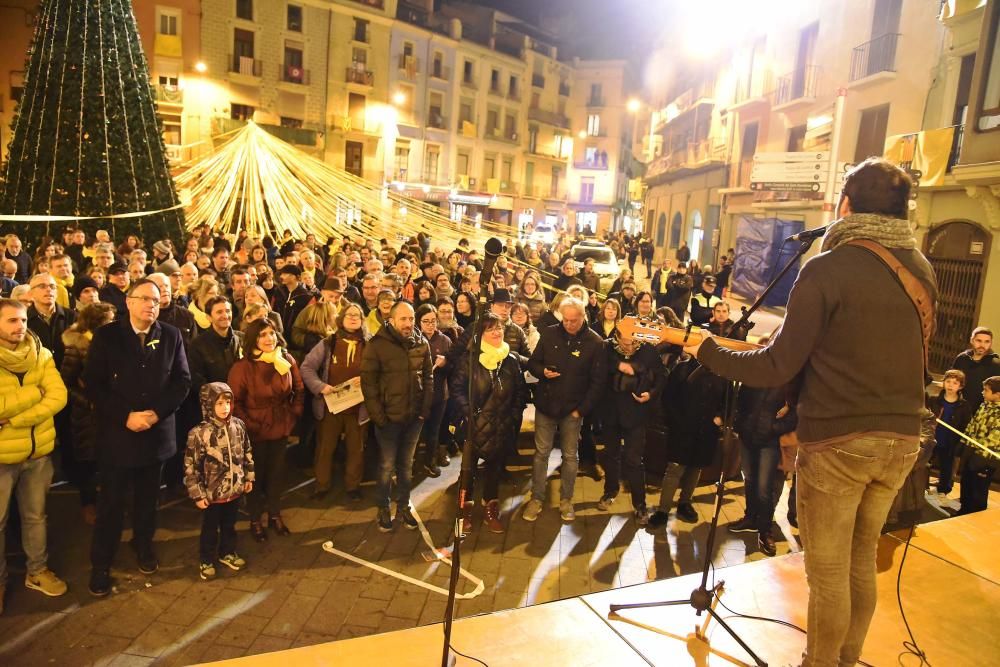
x=465 y=475
x=703 y=598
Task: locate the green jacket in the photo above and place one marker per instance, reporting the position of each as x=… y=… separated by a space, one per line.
x=984 y=429
x=28 y=402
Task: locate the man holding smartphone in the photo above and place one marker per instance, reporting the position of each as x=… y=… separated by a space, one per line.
x=570 y=363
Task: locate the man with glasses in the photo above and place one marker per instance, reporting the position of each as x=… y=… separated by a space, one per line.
x=47 y=319
x=137 y=376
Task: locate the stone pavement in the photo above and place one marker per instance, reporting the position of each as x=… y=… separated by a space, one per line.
x=294 y=593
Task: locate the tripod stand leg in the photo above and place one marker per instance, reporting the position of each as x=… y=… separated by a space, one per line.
x=711 y=610
x=714 y=614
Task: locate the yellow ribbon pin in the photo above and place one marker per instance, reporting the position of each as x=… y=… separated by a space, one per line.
x=153 y=343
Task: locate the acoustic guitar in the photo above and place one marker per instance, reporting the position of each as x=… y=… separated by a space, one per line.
x=651 y=331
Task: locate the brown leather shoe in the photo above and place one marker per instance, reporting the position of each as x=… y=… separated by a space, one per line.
x=278 y=526
x=492 y=517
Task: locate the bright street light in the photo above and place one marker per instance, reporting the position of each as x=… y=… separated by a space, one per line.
x=200 y=67
x=398 y=98
x=633 y=105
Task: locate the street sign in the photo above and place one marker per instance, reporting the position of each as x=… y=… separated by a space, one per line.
x=796 y=156
x=786 y=187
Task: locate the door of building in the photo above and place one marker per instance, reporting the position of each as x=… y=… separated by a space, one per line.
x=354 y=158
x=959 y=252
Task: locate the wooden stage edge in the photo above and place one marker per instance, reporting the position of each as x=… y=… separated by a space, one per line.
x=950 y=591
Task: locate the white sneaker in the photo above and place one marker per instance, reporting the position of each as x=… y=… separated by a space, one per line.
x=566 y=510
x=532 y=509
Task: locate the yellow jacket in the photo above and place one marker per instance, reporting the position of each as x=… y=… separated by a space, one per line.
x=28 y=431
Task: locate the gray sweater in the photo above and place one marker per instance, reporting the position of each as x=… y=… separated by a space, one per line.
x=853 y=338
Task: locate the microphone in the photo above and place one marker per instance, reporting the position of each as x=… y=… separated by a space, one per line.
x=493 y=249
x=809 y=234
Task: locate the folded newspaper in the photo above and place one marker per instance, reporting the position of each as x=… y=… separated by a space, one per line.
x=344 y=396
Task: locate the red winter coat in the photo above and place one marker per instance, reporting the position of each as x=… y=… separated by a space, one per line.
x=268 y=403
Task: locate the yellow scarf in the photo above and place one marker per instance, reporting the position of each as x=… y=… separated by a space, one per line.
x=200 y=317
x=491 y=357
x=277 y=359
x=89 y=335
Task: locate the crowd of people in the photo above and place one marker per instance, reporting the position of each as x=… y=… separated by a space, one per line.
x=195 y=367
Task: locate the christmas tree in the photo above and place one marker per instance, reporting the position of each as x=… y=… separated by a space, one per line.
x=86 y=138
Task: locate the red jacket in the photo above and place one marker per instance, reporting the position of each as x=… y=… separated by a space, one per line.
x=268 y=403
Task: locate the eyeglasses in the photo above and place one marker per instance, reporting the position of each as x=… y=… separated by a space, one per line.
x=429 y=321
x=51 y=286
x=147 y=300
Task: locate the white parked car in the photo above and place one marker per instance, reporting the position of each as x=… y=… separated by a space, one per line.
x=606 y=265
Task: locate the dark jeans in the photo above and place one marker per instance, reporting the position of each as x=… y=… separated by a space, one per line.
x=760 y=470
x=975 y=489
x=269 y=478
x=945 y=455
x=431 y=432
x=115 y=482
x=491 y=476
x=587 y=451
x=397 y=443
x=218 y=530
x=676 y=474
x=631 y=466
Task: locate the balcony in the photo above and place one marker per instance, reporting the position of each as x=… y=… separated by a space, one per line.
x=597 y=163
x=545 y=155
x=246 y=66
x=549 y=117
x=292 y=135
x=538 y=80
x=409 y=66
x=797 y=88
x=594 y=101
x=360 y=76
x=168 y=94
x=751 y=89
x=348 y=123
x=436 y=121
x=497 y=134
x=293 y=74
x=377 y=4
x=564 y=89
x=440 y=72
x=691 y=99
x=469 y=82
x=685 y=160
x=874 y=58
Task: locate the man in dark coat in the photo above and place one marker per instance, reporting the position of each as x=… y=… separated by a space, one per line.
x=46 y=318
x=294 y=298
x=137 y=376
x=659 y=285
x=117 y=286
x=14 y=251
x=176 y=316
x=216 y=349
x=398 y=387
x=679 y=286
x=978 y=363
x=569 y=361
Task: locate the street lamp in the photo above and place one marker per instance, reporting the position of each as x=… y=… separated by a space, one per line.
x=200 y=67
x=633 y=105
x=399 y=98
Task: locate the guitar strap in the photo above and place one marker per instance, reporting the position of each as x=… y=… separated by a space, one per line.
x=915 y=290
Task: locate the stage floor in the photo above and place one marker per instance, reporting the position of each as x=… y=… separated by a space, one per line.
x=950 y=591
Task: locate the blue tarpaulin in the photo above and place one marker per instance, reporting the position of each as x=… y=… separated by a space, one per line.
x=760 y=255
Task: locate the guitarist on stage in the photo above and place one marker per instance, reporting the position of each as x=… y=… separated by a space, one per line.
x=861 y=393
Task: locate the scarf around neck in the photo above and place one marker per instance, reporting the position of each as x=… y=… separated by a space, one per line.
x=201 y=318
x=23 y=358
x=277 y=359
x=886 y=231
x=491 y=357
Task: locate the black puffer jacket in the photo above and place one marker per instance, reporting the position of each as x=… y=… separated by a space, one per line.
x=693 y=397
x=581 y=363
x=499 y=396
x=83 y=416
x=618 y=405
x=396 y=377
x=756 y=416
x=211 y=357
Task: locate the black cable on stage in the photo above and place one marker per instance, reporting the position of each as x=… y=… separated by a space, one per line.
x=467 y=657
x=769 y=619
x=911 y=646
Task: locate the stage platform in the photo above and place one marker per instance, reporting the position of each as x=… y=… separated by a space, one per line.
x=950 y=592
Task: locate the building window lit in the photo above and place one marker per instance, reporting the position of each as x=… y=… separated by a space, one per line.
x=593 y=124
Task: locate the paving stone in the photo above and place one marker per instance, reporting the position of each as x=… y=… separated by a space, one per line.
x=367 y=612
x=218 y=652
x=241 y=631
x=288 y=620
x=407 y=605
x=155 y=639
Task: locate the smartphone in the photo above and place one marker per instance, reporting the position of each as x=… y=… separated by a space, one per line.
x=552 y=368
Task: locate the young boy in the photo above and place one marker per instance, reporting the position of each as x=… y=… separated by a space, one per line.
x=950 y=407
x=218 y=469
x=977 y=466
